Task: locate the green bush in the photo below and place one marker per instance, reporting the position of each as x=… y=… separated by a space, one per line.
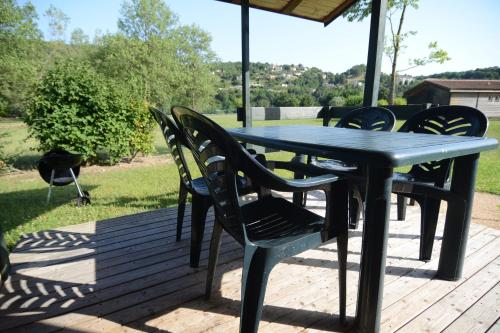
x=337 y=101
x=76 y=109
x=354 y=100
x=142 y=138
x=382 y=102
x=399 y=101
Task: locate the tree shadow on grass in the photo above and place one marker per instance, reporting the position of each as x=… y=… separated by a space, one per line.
x=24 y=161
x=147 y=203
x=23 y=207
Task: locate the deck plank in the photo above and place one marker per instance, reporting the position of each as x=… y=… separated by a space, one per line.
x=128 y=274
x=475 y=318
x=443 y=312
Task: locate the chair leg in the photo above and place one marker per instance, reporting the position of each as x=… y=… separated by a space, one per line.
x=256 y=269
x=200 y=206
x=304 y=197
x=299 y=198
x=181 y=207
x=355 y=209
x=401 y=208
x=428 y=223
x=213 y=257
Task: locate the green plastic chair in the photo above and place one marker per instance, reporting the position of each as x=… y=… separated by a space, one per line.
x=419 y=183
x=4 y=260
x=270 y=229
x=370 y=118
x=197 y=187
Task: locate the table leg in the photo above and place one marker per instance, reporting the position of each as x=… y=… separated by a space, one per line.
x=374 y=247
x=458 y=214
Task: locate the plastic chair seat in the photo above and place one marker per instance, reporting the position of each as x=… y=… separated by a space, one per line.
x=335 y=165
x=276 y=221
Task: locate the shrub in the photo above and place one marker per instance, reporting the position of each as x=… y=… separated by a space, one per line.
x=354 y=100
x=76 y=109
x=143 y=123
x=382 y=102
x=337 y=101
x=399 y=101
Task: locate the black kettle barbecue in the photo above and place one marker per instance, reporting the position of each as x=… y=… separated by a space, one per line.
x=60 y=168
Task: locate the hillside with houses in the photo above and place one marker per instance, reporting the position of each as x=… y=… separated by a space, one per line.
x=299 y=85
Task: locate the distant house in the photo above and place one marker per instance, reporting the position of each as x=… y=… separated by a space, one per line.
x=404 y=79
x=481 y=94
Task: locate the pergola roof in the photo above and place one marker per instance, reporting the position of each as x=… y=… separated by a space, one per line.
x=324 y=11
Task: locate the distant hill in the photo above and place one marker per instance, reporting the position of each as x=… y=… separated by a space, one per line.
x=298 y=85
x=488 y=73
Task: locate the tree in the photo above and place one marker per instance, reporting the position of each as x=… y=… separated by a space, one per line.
x=160 y=61
x=146 y=19
x=396 y=11
x=58 y=22
x=20 y=54
x=195 y=57
x=285 y=99
x=78 y=37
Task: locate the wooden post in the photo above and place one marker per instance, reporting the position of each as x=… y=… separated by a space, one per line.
x=245 y=63
x=375 y=51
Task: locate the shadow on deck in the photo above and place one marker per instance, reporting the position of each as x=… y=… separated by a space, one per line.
x=129 y=274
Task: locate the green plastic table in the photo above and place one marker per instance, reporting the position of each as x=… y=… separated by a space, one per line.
x=380 y=153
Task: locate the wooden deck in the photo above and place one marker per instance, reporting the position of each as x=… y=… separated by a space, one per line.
x=128 y=274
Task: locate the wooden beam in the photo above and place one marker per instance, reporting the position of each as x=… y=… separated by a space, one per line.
x=375 y=51
x=245 y=63
x=289 y=7
x=278 y=11
x=337 y=12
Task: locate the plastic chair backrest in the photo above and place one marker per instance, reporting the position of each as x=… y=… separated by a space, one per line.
x=371 y=118
x=219 y=157
x=175 y=140
x=444 y=120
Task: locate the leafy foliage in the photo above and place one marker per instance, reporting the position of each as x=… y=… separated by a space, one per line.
x=354 y=100
x=78 y=37
x=146 y=19
x=19 y=55
x=78 y=110
x=286 y=85
x=58 y=22
x=158 y=60
x=2 y=154
x=489 y=73
x=396 y=38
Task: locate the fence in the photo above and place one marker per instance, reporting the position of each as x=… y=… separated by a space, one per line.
x=402 y=112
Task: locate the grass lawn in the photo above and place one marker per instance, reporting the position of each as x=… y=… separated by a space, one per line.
x=121 y=190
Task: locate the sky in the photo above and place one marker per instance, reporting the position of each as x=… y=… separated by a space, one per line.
x=468 y=30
